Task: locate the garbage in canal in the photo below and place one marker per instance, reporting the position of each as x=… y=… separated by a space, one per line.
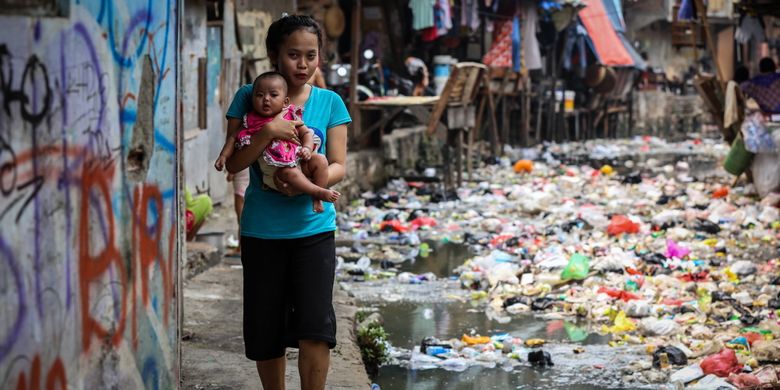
x=721 y=364
x=666 y=355
x=540 y=358
x=649 y=250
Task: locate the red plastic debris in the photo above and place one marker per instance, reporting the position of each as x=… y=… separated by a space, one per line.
x=700 y=276
x=621 y=224
x=624 y=296
x=420 y=222
x=721 y=192
x=393 y=225
x=721 y=364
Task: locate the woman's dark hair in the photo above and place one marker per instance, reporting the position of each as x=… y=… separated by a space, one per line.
x=766 y=65
x=282 y=28
x=741 y=74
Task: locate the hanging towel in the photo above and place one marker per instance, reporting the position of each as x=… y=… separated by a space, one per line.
x=499 y=54
x=422 y=13
x=731 y=108
x=442 y=17
x=687 y=10
x=516 y=44
x=750 y=27
x=531 y=54
x=469 y=14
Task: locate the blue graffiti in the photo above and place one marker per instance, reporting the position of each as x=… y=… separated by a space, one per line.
x=141 y=16
x=13 y=334
x=150 y=374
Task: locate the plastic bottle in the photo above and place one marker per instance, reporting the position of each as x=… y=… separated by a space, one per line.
x=664 y=359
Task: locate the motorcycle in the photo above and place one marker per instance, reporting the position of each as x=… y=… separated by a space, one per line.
x=373 y=79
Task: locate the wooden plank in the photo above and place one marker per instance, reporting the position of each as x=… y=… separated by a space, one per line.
x=702 y=11
x=492 y=113
x=459 y=156
x=441 y=105
x=354 y=110
x=202 y=106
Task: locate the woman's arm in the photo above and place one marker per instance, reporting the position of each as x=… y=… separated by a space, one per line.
x=278 y=128
x=337 y=154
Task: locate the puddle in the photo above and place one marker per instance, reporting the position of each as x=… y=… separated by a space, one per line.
x=443 y=258
x=597 y=368
x=408 y=323
x=701 y=165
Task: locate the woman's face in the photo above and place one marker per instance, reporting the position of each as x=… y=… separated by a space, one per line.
x=298 y=57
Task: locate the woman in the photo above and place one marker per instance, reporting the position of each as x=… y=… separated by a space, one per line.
x=287 y=250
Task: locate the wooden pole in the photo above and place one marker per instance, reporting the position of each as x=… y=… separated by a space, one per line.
x=354 y=110
x=702 y=11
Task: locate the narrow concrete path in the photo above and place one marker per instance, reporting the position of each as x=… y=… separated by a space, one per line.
x=213 y=349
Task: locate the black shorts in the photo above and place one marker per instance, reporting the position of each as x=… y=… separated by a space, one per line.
x=288 y=293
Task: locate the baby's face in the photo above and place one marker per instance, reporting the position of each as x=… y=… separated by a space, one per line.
x=270 y=96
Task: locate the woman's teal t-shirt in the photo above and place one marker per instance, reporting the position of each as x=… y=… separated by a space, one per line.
x=269 y=214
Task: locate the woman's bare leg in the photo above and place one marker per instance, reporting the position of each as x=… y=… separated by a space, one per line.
x=313 y=363
x=272 y=373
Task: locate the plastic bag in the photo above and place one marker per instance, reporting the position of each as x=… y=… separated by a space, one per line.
x=524 y=166
x=421 y=222
x=392 y=226
x=577 y=268
x=757 y=138
x=574 y=332
x=721 y=364
x=624 y=296
x=675 y=250
x=766 y=176
x=676 y=356
x=621 y=224
x=766 y=350
x=744 y=381
x=540 y=358
x=473 y=340
x=622 y=324
x=655 y=327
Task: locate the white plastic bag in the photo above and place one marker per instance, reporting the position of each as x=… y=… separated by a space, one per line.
x=766 y=173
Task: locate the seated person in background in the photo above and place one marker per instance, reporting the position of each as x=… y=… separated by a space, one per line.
x=765 y=88
x=741 y=74
x=196 y=210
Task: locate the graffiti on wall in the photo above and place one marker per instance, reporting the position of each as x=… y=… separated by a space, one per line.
x=88 y=180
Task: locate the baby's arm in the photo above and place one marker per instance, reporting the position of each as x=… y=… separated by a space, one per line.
x=307 y=141
x=227 y=149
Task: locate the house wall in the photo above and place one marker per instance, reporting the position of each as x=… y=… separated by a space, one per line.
x=89 y=227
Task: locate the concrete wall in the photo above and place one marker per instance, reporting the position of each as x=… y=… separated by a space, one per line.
x=89 y=234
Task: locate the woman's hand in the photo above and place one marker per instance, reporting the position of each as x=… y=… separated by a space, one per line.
x=283 y=187
x=283 y=129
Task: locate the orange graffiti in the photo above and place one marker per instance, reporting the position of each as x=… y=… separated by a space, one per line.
x=91 y=268
x=147 y=250
x=55 y=376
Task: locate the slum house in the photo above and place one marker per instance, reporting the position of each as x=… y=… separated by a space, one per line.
x=223 y=47
x=556 y=70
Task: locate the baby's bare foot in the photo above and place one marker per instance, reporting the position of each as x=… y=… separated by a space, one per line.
x=316 y=205
x=328 y=195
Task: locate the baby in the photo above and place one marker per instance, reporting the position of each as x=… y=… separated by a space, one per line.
x=292 y=163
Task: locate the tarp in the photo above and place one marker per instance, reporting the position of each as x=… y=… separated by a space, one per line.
x=604 y=23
